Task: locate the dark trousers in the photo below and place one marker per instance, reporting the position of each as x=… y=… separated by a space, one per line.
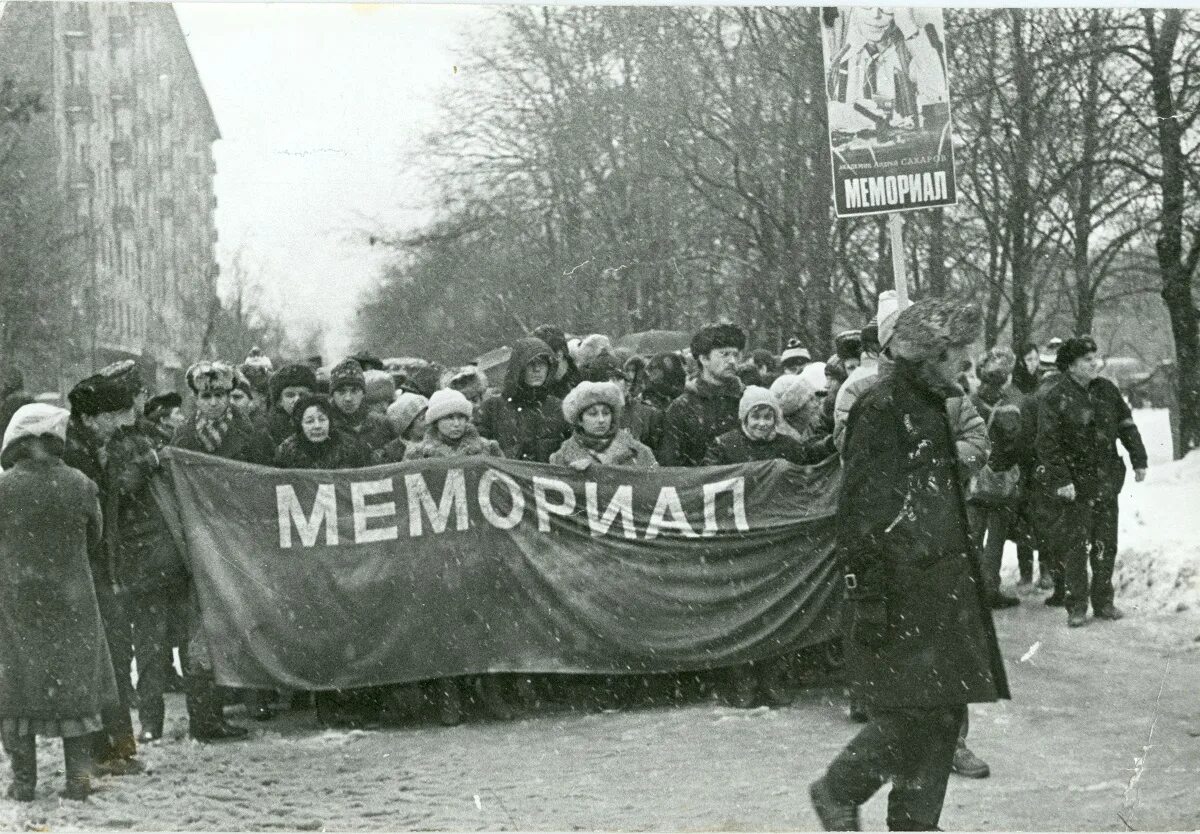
x=911 y=748
x=116 y=739
x=22 y=752
x=150 y=618
x=1089 y=538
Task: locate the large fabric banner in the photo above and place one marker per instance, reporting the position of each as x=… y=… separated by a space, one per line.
x=888 y=92
x=316 y=580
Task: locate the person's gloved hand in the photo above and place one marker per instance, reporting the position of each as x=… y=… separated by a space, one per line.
x=870 y=623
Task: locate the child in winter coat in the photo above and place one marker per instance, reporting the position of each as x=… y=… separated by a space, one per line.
x=593 y=410
x=758 y=438
x=407 y=416
x=55 y=671
x=449 y=433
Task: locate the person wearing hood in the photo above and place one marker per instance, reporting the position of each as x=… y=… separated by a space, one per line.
x=101 y=405
x=708 y=406
x=594 y=411
x=351 y=415
x=288 y=384
x=921 y=645
x=564 y=374
x=525 y=418
x=214 y=429
x=317 y=441
x=451 y=434
x=56 y=675
x=472 y=383
x=407 y=416
x=666 y=376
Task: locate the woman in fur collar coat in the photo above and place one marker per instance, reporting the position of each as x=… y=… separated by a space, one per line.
x=593 y=410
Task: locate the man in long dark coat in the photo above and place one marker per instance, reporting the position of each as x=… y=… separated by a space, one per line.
x=922 y=645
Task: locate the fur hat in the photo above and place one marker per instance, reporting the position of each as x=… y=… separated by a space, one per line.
x=308 y=401
x=835 y=370
x=794 y=349
x=586 y=394
x=886 y=313
x=368 y=361
x=814 y=375
x=210 y=376
x=379 y=386
x=754 y=396
x=1074 y=349
x=603 y=368
x=552 y=336
x=793 y=393
x=996 y=366
x=127 y=373
x=424 y=379
x=258 y=375
x=256 y=359
x=240 y=382
x=347 y=374
x=405 y=409
x=292 y=376
x=592 y=348
x=163 y=404
x=671 y=366
x=931 y=325
x=97 y=394
x=869 y=338
x=468 y=377
x=446 y=402
x=710 y=337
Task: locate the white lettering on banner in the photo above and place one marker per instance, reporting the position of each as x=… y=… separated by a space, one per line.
x=735 y=487
x=621 y=504
x=454 y=500
x=668 y=514
x=545 y=508
x=360 y=491
x=290 y=512
x=895 y=190
x=501 y=522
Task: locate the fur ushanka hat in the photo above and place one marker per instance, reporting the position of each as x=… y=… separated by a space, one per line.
x=586 y=394
x=292 y=376
x=710 y=337
x=932 y=325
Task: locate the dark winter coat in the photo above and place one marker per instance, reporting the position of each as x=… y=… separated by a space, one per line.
x=698 y=416
x=372 y=429
x=393 y=452
x=561 y=387
x=85 y=452
x=736 y=447
x=527 y=423
x=623 y=450
x=147 y=559
x=340 y=451
x=644 y=422
x=904 y=539
x=241 y=442
x=471 y=444
x=54 y=660
x=1000 y=409
x=279 y=425
x=1077 y=434
x=1022 y=380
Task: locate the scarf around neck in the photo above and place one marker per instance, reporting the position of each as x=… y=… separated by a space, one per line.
x=212 y=431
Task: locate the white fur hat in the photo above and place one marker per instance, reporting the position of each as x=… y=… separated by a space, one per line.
x=447 y=401
x=591 y=348
x=754 y=396
x=586 y=394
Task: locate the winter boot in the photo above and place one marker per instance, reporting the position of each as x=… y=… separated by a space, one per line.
x=78 y=757
x=968 y=764
x=151 y=716
x=1045 y=581
x=742 y=690
x=834 y=815
x=22 y=753
x=1109 y=612
x=206 y=720
x=114 y=755
x=1078 y=618
x=492 y=691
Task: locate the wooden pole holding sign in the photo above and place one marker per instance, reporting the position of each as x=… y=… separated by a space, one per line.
x=896 y=233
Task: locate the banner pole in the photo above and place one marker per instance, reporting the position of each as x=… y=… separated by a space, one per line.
x=896 y=232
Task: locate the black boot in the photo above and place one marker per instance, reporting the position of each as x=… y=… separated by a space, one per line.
x=151 y=716
x=77 y=754
x=491 y=688
x=22 y=753
x=206 y=721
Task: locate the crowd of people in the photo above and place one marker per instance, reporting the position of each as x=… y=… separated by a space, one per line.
x=944 y=460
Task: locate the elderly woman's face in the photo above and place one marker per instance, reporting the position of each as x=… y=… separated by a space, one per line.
x=315 y=424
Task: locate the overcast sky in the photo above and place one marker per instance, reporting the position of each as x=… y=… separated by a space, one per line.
x=318 y=105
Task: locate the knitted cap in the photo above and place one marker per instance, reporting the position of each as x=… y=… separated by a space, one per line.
x=932 y=325
x=754 y=396
x=34 y=420
x=794 y=349
x=347 y=374
x=445 y=402
x=405 y=410
x=586 y=394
